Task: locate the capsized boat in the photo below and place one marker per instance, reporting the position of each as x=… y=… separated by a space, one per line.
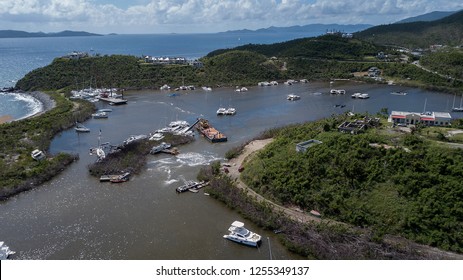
x=238 y=233
x=81 y=128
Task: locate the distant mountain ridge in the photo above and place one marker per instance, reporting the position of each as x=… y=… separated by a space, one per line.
x=24 y=34
x=432 y=16
x=310 y=28
x=420 y=34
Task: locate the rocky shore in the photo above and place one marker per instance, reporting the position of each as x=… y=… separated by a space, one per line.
x=47 y=102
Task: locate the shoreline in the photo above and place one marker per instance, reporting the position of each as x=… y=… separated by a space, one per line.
x=44 y=101
x=412 y=248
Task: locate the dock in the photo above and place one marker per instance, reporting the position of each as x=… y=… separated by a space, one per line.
x=114 y=101
x=191 y=186
x=115 y=178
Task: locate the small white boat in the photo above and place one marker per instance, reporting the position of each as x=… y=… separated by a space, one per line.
x=364 y=96
x=243 y=89
x=37 y=154
x=81 y=128
x=100 y=115
x=105 y=110
x=156 y=137
x=398 y=93
x=221 y=111
x=230 y=111
x=5 y=251
x=238 y=233
x=165 y=87
x=135 y=138
x=356 y=95
x=293 y=97
x=207 y=88
x=337 y=91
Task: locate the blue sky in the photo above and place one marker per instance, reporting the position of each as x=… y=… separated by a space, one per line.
x=200 y=16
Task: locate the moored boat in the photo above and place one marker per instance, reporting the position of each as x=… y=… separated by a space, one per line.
x=238 y=233
x=398 y=93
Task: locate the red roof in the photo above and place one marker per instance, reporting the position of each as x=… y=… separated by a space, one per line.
x=427 y=119
x=398 y=117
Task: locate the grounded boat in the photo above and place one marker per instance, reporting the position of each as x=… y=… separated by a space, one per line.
x=107 y=110
x=238 y=233
x=210 y=132
x=5 y=251
x=81 y=128
x=37 y=154
x=161 y=147
x=293 y=97
x=115 y=178
x=100 y=115
x=243 y=89
x=135 y=138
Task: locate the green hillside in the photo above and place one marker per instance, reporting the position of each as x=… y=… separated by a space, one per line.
x=323 y=47
x=446 y=31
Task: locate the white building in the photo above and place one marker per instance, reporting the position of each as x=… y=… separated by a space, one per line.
x=426 y=118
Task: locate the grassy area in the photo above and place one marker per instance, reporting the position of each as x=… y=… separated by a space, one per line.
x=17 y=168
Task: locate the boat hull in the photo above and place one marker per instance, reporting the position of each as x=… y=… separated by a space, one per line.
x=242 y=241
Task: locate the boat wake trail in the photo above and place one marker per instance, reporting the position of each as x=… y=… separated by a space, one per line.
x=196 y=159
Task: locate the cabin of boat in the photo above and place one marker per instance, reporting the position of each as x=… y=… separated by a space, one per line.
x=238 y=233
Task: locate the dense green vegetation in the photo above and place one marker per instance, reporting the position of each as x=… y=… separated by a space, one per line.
x=17 y=168
x=446 y=31
x=415 y=193
x=447 y=62
x=323 y=240
x=323 y=47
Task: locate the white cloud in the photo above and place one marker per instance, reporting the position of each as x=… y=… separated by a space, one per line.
x=205 y=15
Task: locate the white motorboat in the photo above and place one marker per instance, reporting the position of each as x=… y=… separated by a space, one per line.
x=156 y=137
x=157 y=149
x=293 y=97
x=243 y=89
x=5 y=251
x=37 y=154
x=221 y=111
x=135 y=138
x=356 y=95
x=238 y=233
x=230 y=111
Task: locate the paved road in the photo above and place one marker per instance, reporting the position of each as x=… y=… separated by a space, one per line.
x=299 y=215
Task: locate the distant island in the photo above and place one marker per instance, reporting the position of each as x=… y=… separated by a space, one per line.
x=312 y=28
x=24 y=34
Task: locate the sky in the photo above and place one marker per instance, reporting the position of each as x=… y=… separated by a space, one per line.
x=203 y=16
